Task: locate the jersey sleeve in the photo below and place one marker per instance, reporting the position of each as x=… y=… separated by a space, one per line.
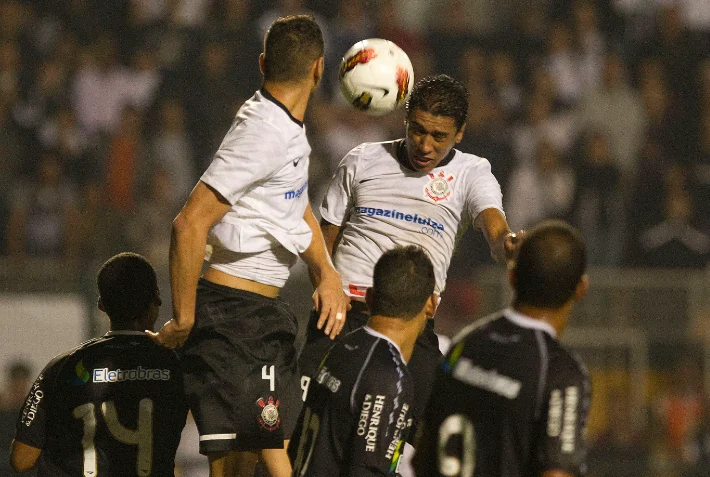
x=31 y=426
x=382 y=404
x=338 y=198
x=483 y=191
x=247 y=157
x=563 y=431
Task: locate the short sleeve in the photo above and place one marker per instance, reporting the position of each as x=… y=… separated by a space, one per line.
x=249 y=154
x=563 y=432
x=31 y=426
x=382 y=406
x=483 y=190
x=338 y=198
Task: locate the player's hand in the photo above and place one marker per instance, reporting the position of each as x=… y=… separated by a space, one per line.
x=331 y=301
x=171 y=335
x=511 y=244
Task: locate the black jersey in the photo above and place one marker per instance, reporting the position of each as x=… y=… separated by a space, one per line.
x=358 y=410
x=114 y=406
x=508 y=401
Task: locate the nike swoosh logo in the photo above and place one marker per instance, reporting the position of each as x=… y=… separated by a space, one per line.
x=296 y=161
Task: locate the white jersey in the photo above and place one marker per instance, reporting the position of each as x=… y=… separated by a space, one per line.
x=261 y=168
x=381 y=202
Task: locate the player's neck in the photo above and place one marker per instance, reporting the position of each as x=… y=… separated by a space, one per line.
x=402 y=333
x=294 y=96
x=555 y=317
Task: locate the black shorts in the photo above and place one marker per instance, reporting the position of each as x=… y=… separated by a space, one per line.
x=423 y=364
x=241 y=373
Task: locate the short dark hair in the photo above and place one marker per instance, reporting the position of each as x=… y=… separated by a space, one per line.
x=440 y=95
x=403 y=281
x=551 y=261
x=127 y=286
x=291 y=46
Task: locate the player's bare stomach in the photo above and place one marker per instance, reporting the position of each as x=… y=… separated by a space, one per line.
x=227 y=280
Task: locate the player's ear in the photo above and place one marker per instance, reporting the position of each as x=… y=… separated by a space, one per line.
x=459 y=134
x=431 y=305
x=261 y=63
x=318 y=68
x=581 y=288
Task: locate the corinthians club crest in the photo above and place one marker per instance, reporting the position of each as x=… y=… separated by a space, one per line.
x=439 y=187
x=269 y=417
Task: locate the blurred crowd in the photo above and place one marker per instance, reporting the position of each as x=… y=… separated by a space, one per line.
x=596 y=111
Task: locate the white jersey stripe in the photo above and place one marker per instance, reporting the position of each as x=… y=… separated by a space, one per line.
x=217 y=437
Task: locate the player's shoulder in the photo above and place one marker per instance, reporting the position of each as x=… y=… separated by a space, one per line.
x=377 y=354
x=266 y=119
x=478 y=329
x=468 y=164
x=566 y=364
x=369 y=152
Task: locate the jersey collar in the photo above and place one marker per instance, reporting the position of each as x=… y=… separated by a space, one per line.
x=278 y=103
x=401 y=155
x=125 y=333
x=377 y=334
x=527 y=322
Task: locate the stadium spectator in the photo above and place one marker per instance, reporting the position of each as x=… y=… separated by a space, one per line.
x=616 y=110
x=522 y=399
x=342 y=429
x=598 y=210
x=125 y=391
x=43 y=213
x=101 y=88
x=543 y=190
x=128 y=163
x=675 y=242
x=171 y=147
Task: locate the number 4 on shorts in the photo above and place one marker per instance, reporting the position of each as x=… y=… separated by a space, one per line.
x=267 y=372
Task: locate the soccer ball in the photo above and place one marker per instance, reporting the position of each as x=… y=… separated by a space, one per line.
x=376 y=76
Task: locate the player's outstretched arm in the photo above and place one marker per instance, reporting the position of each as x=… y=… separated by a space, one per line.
x=204 y=207
x=329 y=298
x=501 y=240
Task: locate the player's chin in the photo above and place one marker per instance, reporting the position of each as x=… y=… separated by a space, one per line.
x=423 y=164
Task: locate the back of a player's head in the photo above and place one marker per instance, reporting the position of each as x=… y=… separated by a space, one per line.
x=440 y=95
x=291 y=46
x=551 y=262
x=127 y=286
x=403 y=282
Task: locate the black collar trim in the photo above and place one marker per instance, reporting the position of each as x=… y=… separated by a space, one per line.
x=403 y=159
x=278 y=103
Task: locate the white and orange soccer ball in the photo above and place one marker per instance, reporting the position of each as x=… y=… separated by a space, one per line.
x=376 y=76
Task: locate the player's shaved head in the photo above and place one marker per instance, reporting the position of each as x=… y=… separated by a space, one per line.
x=291 y=46
x=403 y=281
x=127 y=286
x=550 y=264
x=440 y=95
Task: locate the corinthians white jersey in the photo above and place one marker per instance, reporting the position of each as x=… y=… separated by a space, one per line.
x=381 y=202
x=261 y=168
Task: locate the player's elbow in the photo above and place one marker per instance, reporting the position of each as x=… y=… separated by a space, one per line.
x=23 y=457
